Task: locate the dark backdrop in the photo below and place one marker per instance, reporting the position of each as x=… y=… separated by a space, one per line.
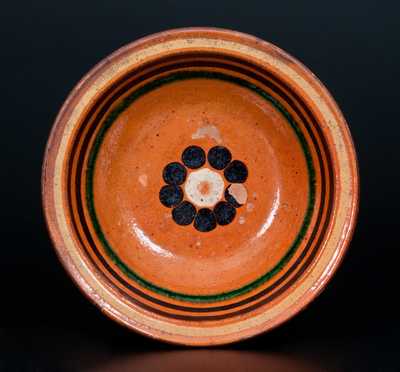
x=47 y=46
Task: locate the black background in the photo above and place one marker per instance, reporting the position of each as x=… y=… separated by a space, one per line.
x=47 y=46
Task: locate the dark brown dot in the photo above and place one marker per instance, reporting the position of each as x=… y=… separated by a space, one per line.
x=224 y=213
x=205 y=220
x=170 y=195
x=219 y=157
x=236 y=172
x=174 y=173
x=184 y=213
x=193 y=157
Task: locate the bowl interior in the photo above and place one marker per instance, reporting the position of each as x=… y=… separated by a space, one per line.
x=199 y=183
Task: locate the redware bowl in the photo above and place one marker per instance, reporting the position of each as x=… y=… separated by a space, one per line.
x=200 y=186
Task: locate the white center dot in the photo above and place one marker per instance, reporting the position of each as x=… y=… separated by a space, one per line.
x=204 y=187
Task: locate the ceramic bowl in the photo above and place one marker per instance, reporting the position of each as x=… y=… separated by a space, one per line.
x=200 y=186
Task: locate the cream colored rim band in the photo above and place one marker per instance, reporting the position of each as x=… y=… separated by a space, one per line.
x=316 y=276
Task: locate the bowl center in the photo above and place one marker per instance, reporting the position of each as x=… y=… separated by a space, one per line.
x=204 y=187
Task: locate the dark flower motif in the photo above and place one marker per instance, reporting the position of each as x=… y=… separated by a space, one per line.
x=219 y=212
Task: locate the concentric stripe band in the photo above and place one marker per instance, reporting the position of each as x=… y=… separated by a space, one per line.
x=108 y=122
x=262 y=293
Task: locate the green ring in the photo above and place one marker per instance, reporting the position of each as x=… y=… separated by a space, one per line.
x=126 y=102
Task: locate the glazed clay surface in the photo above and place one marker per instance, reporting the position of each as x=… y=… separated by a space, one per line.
x=200 y=186
x=153 y=132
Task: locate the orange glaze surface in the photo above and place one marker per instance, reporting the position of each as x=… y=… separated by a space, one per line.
x=152 y=132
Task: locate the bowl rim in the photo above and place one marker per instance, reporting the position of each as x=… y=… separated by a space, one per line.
x=348 y=187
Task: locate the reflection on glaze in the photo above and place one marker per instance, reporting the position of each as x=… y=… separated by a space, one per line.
x=147 y=242
x=143 y=180
x=268 y=222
